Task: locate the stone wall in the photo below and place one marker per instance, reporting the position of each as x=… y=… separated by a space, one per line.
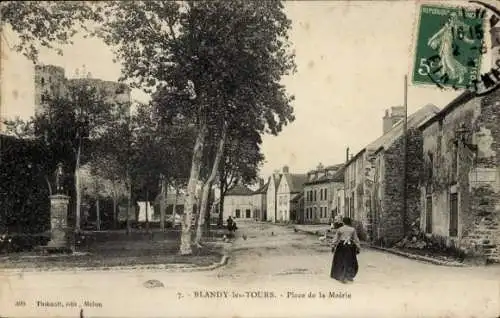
x=238 y=202
x=50 y=82
x=475 y=180
x=392 y=220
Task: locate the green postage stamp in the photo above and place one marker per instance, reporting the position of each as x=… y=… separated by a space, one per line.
x=450 y=43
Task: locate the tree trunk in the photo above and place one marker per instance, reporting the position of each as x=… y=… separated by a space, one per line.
x=162 y=204
x=185 y=248
x=98 y=214
x=208 y=186
x=220 y=222
x=78 y=190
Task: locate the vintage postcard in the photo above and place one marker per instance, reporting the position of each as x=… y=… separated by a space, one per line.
x=250 y=158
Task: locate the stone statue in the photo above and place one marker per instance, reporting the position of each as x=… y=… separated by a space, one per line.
x=59 y=177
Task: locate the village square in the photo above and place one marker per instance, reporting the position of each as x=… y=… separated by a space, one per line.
x=186 y=155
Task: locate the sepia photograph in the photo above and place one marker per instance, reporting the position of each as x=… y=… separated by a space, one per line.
x=245 y=158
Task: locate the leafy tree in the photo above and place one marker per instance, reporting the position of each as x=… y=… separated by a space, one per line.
x=112 y=158
x=25 y=171
x=103 y=178
x=216 y=62
x=47 y=24
x=241 y=163
x=70 y=124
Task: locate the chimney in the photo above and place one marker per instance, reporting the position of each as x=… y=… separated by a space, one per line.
x=347 y=154
x=285 y=169
x=389 y=120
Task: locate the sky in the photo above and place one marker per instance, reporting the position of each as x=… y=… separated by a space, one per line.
x=351 y=56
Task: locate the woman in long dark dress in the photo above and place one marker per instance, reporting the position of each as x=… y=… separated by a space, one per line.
x=345 y=247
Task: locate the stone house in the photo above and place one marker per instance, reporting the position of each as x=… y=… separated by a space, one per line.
x=271 y=197
x=460 y=179
x=387 y=218
x=374 y=181
x=321 y=194
x=290 y=185
x=240 y=202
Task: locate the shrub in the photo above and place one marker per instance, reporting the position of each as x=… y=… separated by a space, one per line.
x=15 y=243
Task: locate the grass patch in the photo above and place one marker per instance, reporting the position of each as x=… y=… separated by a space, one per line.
x=116 y=248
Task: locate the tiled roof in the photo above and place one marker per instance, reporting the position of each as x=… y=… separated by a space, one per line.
x=239 y=189
x=414 y=121
x=338 y=176
x=296 y=181
x=334 y=167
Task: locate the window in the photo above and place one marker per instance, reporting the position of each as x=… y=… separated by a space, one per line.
x=248 y=213
x=238 y=213
x=326 y=194
x=42 y=81
x=315 y=193
x=454 y=214
x=315 y=213
x=428 y=214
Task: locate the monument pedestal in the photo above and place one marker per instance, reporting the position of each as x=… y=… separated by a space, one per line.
x=59 y=223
